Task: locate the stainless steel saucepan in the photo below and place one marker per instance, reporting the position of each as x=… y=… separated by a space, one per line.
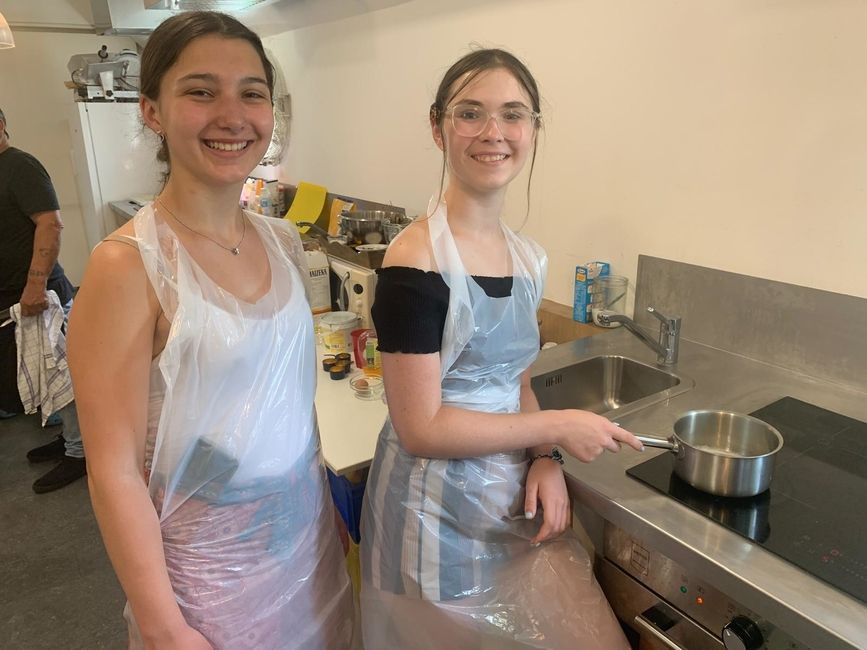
x=723 y=453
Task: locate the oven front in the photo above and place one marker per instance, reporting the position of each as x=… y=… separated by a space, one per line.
x=667 y=607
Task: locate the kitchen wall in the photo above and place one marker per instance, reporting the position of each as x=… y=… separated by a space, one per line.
x=36 y=105
x=730 y=134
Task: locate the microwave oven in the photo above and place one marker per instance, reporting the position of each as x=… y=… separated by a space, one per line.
x=352 y=289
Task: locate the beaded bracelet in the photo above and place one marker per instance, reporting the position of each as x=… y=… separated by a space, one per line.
x=555 y=455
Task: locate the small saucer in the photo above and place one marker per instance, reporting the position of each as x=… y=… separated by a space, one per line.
x=366 y=387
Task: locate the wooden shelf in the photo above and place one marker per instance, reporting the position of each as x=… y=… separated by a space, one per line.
x=556 y=324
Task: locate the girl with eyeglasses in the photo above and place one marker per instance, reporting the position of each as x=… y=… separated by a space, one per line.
x=464 y=529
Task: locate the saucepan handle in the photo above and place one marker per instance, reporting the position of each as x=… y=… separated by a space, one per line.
x=662 y=443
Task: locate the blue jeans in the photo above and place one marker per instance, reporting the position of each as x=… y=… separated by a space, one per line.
x=69 y=415
x=71 y=431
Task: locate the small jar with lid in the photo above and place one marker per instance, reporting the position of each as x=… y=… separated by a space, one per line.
x=338 y=371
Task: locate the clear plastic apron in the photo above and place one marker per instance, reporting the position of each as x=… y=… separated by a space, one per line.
x=446 y=558
x=232 y=454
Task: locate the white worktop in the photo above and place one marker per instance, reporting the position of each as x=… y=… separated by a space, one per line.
x=348 y=426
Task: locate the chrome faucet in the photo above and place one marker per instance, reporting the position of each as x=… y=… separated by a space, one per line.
x=669 y=334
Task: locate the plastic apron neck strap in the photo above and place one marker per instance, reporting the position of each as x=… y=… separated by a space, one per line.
x=158 y=248
x=528 y=259
x=459 y=323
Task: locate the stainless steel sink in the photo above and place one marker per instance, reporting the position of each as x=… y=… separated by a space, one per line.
x=608 y=384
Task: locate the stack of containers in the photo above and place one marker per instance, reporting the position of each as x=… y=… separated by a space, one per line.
x=262 y=197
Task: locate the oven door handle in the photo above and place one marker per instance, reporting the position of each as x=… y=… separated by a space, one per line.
x=654 y=631
x=343 y=303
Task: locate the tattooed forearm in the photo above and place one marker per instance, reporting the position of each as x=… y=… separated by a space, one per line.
x=46 y=247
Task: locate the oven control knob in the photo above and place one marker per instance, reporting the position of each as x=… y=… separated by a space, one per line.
x=742 y=634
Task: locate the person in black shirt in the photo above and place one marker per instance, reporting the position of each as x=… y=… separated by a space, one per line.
x=465 y=535
x=30 y=228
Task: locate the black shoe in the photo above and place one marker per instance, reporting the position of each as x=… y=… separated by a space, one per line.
x=67 y=471
x=54 y=450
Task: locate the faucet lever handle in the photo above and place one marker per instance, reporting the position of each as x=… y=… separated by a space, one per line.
x=668 y=322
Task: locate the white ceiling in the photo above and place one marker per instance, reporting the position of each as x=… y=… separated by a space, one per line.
x=276 y=17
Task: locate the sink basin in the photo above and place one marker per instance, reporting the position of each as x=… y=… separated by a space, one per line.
x=608 y=385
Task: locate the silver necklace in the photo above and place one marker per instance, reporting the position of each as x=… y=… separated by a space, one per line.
x=234 y=250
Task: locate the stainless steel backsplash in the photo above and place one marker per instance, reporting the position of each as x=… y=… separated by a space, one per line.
x=818 y=333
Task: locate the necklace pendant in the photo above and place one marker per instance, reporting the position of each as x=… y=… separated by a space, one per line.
x=235 y=251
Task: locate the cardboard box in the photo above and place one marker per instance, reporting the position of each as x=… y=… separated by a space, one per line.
x=584 y=276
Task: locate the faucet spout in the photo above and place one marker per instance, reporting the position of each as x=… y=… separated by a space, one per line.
x=669 y=334
x=633 y=327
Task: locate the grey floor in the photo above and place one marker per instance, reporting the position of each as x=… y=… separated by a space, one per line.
x=57 y=588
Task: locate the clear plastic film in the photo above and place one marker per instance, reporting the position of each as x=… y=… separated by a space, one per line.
x=446 y=554
x=232 y=453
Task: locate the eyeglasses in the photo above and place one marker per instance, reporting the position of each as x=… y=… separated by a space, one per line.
x=470 y=120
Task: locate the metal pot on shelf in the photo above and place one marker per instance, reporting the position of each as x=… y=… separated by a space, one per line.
x=392 y=228
x=366 y=226
x=722 y=453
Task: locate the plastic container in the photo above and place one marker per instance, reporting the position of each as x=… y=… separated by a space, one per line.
x=372 y=359
x=359 y=338
x=367 y=357
x=336 y=330
x=348 y=497
x=265 y=203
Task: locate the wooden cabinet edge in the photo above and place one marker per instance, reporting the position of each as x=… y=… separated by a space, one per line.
x=556 y=324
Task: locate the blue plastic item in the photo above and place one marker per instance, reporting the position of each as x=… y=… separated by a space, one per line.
x=348 y=497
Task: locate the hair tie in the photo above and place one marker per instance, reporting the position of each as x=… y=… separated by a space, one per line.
x=555 y=455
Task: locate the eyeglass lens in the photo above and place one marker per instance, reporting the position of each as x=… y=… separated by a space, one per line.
x=470 y=120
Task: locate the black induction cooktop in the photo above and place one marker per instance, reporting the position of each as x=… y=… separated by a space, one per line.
x=814 y=514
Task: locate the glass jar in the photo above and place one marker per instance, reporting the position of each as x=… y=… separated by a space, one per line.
x=608 y=295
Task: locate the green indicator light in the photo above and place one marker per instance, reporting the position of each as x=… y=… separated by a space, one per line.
x=683 y=589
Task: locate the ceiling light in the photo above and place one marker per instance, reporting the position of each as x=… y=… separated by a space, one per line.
x=203 y=5
x=6 y=40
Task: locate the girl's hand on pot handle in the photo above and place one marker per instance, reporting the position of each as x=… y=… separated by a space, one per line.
x=546 y=486
x=586 y=435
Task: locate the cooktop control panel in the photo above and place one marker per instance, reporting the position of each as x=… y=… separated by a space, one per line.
x=723 y=616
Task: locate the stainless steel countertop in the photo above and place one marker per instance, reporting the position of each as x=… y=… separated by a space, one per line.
x=806 y=607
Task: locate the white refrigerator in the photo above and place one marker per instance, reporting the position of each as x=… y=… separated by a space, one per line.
x=114 y=158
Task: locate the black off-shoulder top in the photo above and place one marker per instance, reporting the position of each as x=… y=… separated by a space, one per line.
x=410 y=307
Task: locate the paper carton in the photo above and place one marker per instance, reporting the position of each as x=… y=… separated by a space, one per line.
x=584 y=276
